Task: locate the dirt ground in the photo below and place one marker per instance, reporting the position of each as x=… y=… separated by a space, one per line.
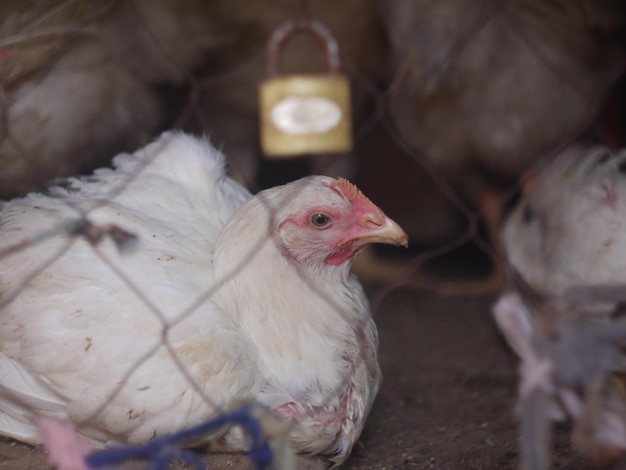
x=449 y=389
x=446 y=400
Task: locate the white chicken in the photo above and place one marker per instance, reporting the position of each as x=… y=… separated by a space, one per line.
x=566 y=240
x=570 y=229
x=227 y=297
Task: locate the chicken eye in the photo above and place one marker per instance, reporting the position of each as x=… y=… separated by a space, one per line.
x=320 y=220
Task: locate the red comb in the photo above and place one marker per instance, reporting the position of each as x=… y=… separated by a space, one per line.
x=351 y=192
x=347 y=189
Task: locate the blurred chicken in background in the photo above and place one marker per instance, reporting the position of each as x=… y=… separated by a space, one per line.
x=485 y=89
x=494 y=85
x=569 y=230
x=565 y=242
x=78 y=80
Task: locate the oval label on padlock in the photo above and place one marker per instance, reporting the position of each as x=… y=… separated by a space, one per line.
x=305 y=115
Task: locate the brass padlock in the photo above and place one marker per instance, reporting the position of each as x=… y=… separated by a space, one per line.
x=305 y=114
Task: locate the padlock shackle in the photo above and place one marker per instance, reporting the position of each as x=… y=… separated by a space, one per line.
x=291 y=27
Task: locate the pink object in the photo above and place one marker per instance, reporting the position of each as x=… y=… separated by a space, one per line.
x=66 y=449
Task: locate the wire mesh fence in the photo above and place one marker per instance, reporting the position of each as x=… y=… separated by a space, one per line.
x=458 y=102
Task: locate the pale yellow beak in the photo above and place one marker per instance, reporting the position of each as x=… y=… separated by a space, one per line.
x=389 y=233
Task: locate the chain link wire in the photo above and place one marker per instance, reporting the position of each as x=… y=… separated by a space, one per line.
x=417 y=84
